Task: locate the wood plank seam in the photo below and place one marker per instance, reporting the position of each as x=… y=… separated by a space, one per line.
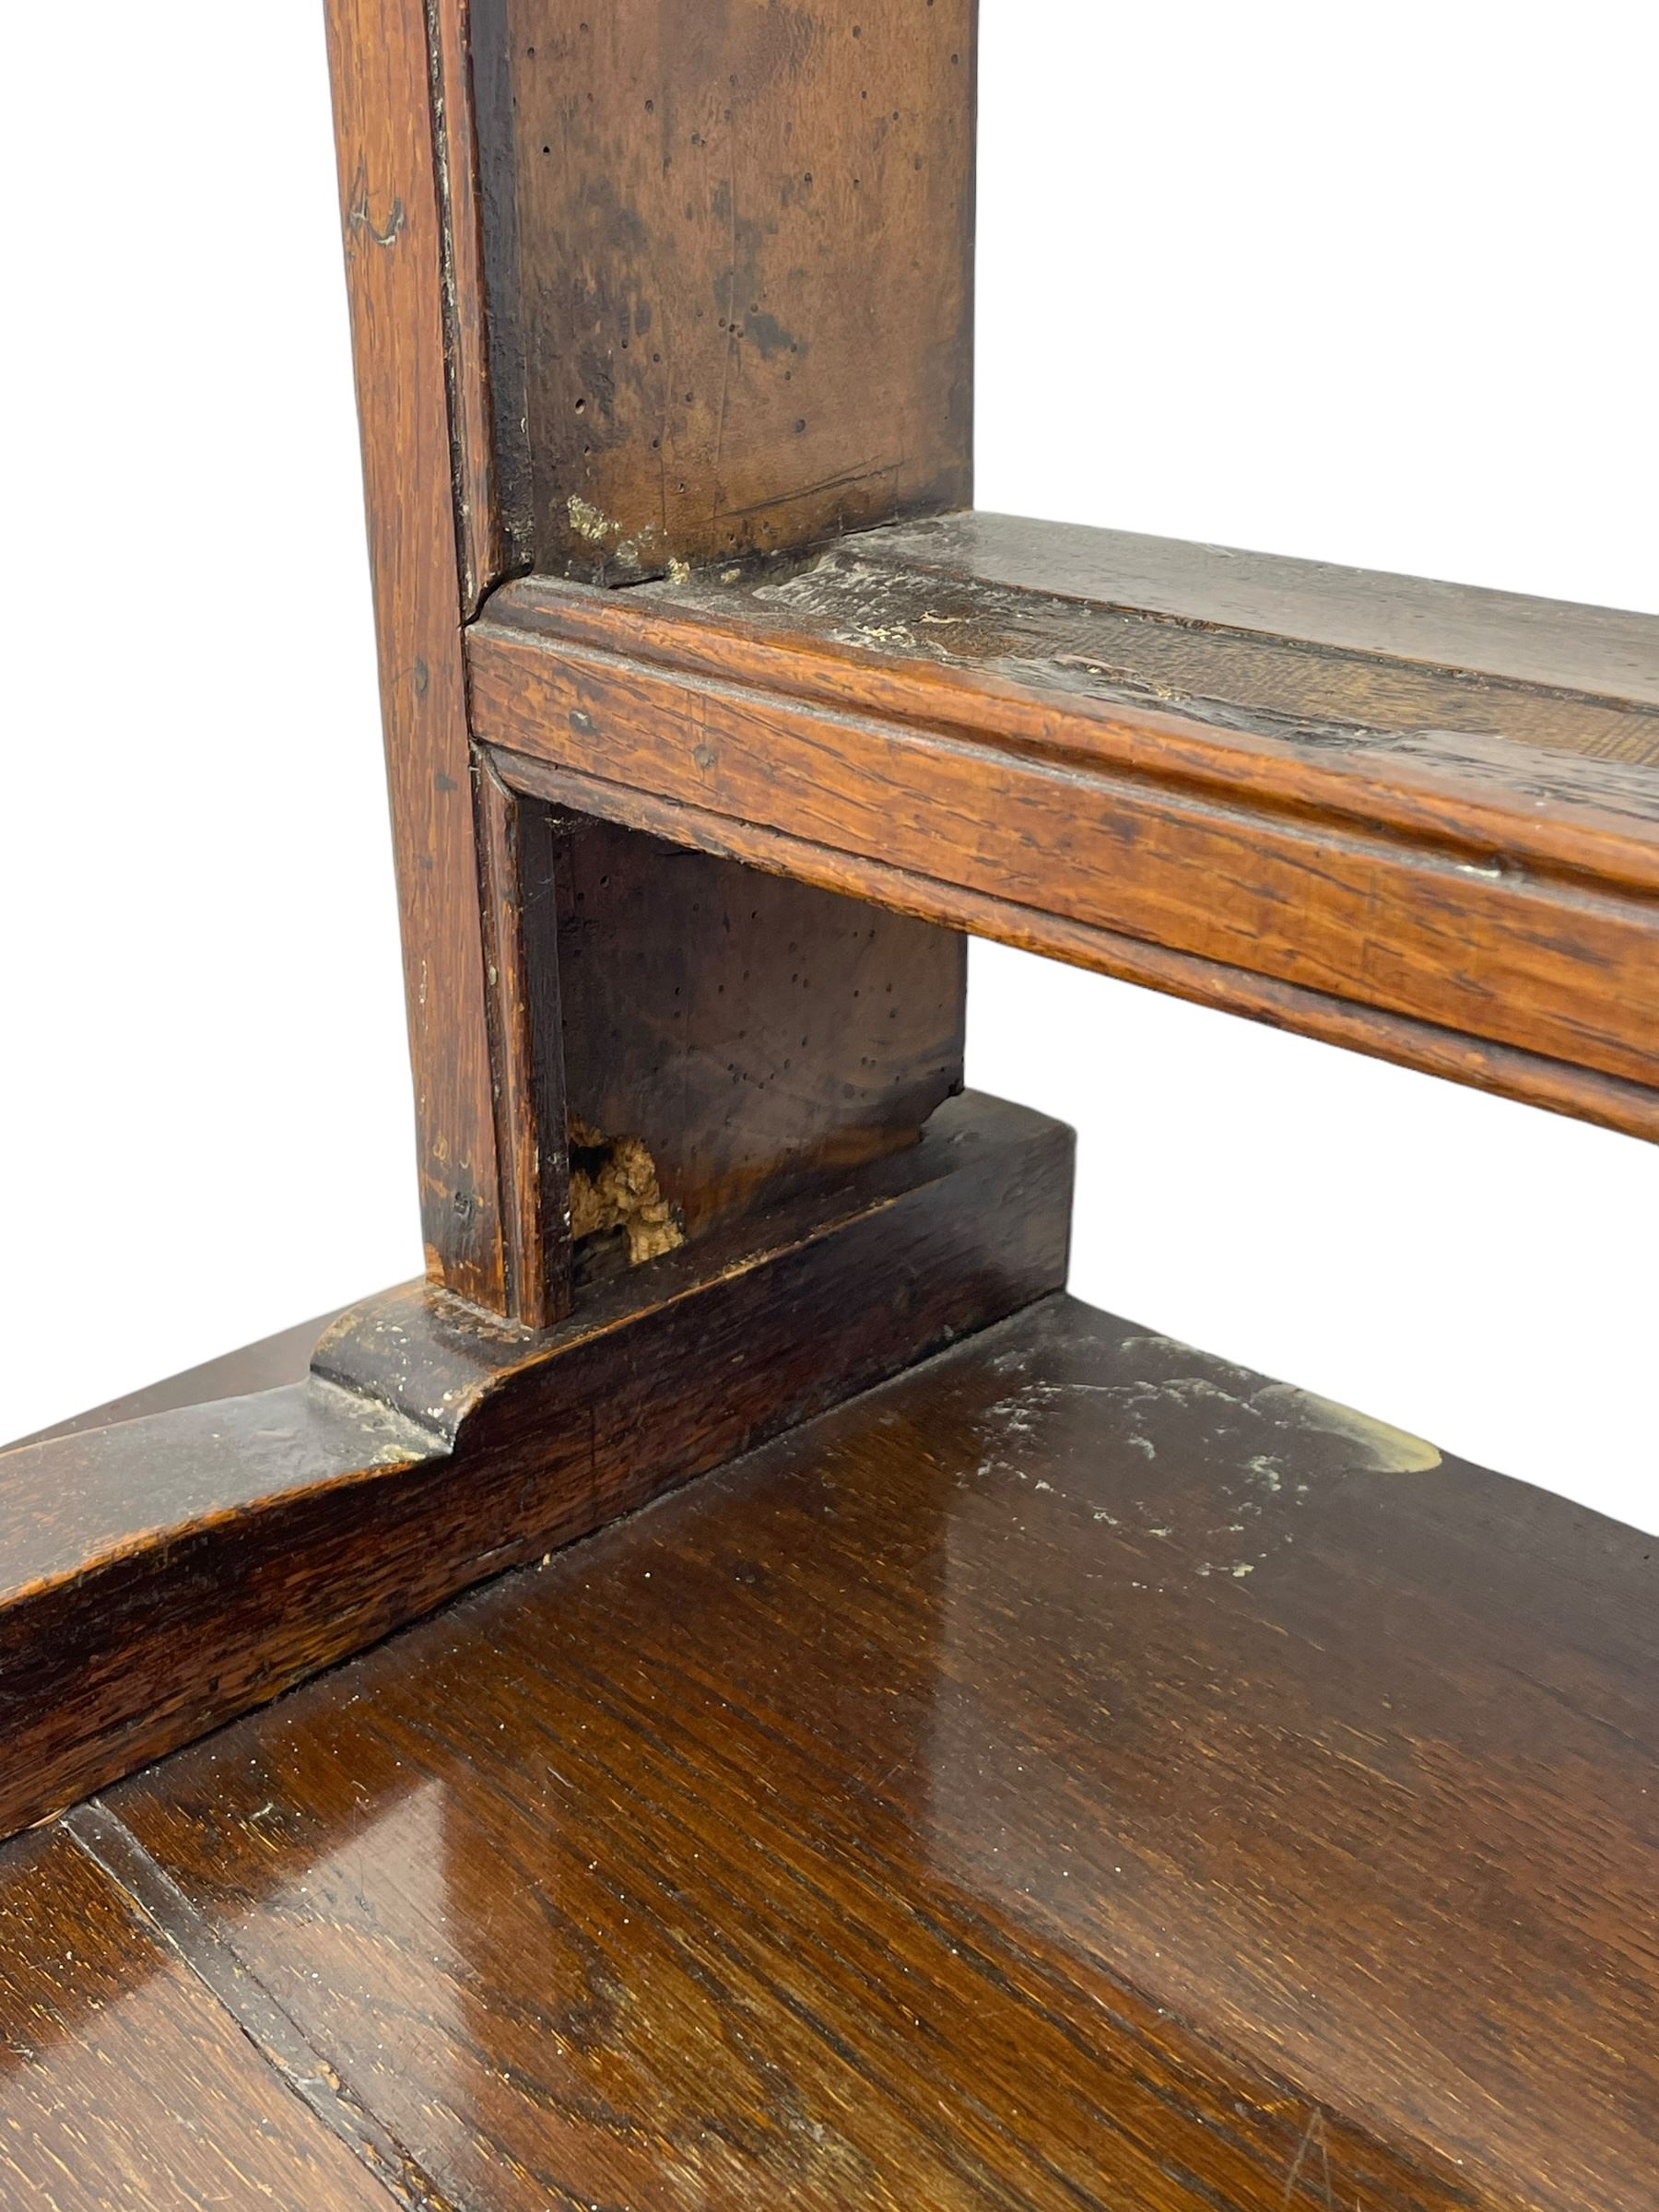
x=480 y=550
x=272 y=2031
x=307 y=2070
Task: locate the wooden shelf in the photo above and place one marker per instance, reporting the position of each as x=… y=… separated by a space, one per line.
x=1079 y=1773
x=1412 y=817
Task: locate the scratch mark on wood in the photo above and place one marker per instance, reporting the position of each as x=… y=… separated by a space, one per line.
x=866 y=473
x=359 y=217
x=1313 y=2134
x=725 y=364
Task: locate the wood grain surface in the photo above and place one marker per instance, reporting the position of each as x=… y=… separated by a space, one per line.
x=124 y=2086
x=1081 y=1772
x=162 y=1575
x=396 y=264
x=1567 y=648
x=730 y=261
x=1440 y=864
x=741 y=1035
x=1076 y=1772
x=518 y=851
x=479 y=495
x=757 y=1034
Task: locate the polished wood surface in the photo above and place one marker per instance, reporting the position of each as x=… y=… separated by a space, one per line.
x=158 y=1577
x=1079 y=1773
x=1446 y=865
x=125 y=2085
x=730 y=273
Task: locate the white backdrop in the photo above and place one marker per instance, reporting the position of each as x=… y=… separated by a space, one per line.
x=1369 y=284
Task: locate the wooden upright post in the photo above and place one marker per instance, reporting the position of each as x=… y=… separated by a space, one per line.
x=631 y=291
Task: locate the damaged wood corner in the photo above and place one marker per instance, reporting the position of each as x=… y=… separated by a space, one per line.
x=616 y=1203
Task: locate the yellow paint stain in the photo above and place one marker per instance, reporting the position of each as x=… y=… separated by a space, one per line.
x=1384 y=1450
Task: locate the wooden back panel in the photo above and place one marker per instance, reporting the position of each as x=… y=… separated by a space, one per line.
x=730 y=261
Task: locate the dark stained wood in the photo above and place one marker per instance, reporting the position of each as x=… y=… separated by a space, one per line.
x=520 y=935
x=752 y=1034
x=479 y=498
x=265 y=1365
x=395 y=267
x=731 y=272
x=1079 y=1773
x=164 y=1575
x=1483 y=905
x=475 y=297
x=756 y=1034
x=123 y=2084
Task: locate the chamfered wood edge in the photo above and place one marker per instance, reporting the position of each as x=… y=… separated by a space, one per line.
x=1531 y=1078
x=169 y=1574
